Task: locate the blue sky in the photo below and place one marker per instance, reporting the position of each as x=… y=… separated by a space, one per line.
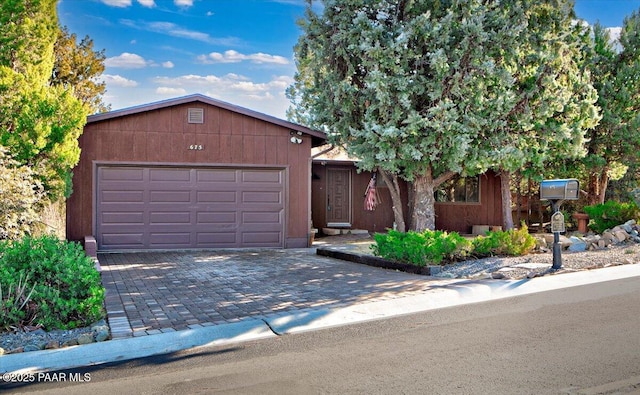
x=238 y=51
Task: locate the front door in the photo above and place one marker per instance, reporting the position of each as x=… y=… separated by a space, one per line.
x=338 y=197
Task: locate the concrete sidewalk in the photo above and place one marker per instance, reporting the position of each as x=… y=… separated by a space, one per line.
x=424 y=295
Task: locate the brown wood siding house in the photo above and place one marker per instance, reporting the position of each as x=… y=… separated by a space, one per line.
x=192 y=172
x=338 y=193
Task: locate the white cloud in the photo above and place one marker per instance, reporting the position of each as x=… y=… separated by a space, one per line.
x=231 y=85
x=127 y=3
x=165 y=90
x=126 y=60
x=168 y=64
x=117 y=3
x=232 y=56
x=117 y=80
x=171 y=29
x=147 y=3
x=183 y=3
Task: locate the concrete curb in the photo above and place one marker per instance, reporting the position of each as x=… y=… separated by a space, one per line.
x=442 y=293
x=136 y=347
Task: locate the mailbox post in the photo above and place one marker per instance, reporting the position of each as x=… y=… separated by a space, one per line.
x=557 y=191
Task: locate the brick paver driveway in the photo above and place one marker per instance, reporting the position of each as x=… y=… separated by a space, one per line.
x=150 y=292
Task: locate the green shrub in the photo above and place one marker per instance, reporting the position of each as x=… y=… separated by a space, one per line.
x=67 y=292
x=438 y=247
x=421 y=248
x=610 y=214
x=513 y=242
x=14 y=310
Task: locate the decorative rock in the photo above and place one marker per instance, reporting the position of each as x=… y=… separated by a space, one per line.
x=52 y=345
x=608 y=237
x=2 y=351
x=16 y=350
x=85 y=338
x=31 y=347
x=621 y=235
x=565 y=242
x=102 y=335
x=497 y=275
x=577 y=244
x=628 y=226
x=541 y=242
x=69 y=343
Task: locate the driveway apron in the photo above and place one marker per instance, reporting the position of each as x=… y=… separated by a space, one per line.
x=154 y=292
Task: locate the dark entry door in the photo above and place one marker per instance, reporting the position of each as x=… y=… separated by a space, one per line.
x=339 y=197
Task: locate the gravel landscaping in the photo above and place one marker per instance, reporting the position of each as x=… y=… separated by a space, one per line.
x=538 y=264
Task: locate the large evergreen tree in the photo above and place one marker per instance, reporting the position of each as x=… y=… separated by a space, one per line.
x=553 y=101
x=424 y=90
x=615 y=142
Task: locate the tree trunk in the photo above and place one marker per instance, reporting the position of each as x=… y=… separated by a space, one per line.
x=505 y=188
x=597 y=188
x=396 y=199
x=423 y=216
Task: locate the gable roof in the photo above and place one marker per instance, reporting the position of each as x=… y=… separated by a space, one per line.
x=318 y=138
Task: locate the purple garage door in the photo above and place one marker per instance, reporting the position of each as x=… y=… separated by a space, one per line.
x=176 y=207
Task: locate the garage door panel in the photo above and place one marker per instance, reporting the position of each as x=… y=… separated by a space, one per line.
x=261 y=177
x=217 y=239
x=121 y=174
x=170 y=196
x=169 y=217
x=216 y=197
x=122 y=197
x=264 y=197
x=222 y=176
x=129 y=217
x=163 y=175
x=253 y=217
x=164 y=208
x=170 y=239
x=256 y=239
x=130 y=240
x=217 y=217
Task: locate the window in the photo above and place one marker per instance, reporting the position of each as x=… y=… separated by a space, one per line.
x=459 y=190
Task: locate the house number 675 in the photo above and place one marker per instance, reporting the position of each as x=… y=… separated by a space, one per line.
x=196 y=147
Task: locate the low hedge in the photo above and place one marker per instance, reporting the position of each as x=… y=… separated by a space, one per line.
x=439 y=247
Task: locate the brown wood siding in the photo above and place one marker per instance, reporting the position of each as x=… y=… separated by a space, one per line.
x=460 y=217
x=375 y=221
x=163 y=136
